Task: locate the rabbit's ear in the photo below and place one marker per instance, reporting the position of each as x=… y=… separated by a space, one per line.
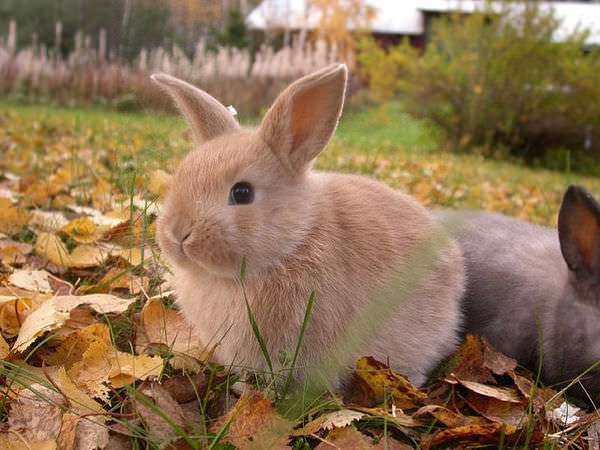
x=206 y=117
x=303 y=118
x=579 y=232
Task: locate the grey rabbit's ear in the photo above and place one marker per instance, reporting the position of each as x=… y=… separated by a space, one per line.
x=579 y=232
x=205 y=115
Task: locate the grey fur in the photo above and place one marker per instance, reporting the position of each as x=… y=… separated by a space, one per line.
x=520 y=289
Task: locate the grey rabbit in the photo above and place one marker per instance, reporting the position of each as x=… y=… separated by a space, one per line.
x=534 y=292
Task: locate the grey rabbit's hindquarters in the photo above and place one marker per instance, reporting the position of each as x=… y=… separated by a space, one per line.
x=534 y=292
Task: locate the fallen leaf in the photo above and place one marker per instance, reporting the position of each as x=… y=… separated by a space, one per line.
x=117 y=278
x=382 y=380
x=510 y=413
x=82 y=230
x=83 y=426
x=12 y=219
x=84 y=256
x=185 y=388
x=495 y=361
x=9 y=441
x=445 y=416
x=349 y=438
x=126 y=368
x=329 y=421
x=168 y=327
x=72 y=348
x=47 y=221
x=53 y=313
x=14 y=309
x=254 y=424
x=31 y=280
x=504 y=394
x=471 y=434
x=469 y=362
x=12 y=252
x=594 y=436
x=51 y=247
x=36 y=413
x=4 y=348
x=155 y=398
x=566 y=414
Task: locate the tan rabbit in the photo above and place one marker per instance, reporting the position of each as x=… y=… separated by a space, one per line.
x=251 y=193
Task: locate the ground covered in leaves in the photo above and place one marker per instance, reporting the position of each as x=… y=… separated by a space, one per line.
x=94 y=355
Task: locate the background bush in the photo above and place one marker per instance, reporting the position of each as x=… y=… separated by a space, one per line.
x=497 y=79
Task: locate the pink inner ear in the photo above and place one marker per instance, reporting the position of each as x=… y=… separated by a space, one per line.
x=307 y=114
x=586 y=235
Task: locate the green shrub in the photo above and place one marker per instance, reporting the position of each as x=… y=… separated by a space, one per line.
x=496 y=80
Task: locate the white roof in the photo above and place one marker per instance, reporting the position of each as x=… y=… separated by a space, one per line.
x=392 y=16
x=406 y=17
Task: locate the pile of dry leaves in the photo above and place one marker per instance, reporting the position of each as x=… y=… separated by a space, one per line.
x=95 y=356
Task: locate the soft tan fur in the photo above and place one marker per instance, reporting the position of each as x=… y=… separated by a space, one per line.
x=343 y=236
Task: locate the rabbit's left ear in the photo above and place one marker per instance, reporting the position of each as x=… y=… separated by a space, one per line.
x=303 y=118
x=206 y=116
x=579 y=232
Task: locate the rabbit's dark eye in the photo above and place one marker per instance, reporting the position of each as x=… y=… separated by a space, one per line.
x=241 y=193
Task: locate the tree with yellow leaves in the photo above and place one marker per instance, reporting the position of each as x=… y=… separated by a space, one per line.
x=341 y=22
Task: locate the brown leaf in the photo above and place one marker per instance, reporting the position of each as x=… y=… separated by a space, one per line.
x=349 y=438
x=443 y=415
x=497 y=362
x=186 y=388
x=160 y=430
x=469 y=434
x=513 y=414
x=254 y=424
x=382 y=379
x=469 y=362
x=36 y=413
x=504 y=394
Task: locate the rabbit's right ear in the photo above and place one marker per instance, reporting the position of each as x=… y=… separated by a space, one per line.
x=205 y=115
x=579 y=232
x=303 y=118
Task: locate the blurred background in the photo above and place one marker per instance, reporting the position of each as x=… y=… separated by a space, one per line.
x=515 y=82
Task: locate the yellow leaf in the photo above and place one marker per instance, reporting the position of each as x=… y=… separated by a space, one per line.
x=87 y=256
x=127 y=367
x=9 y=441
x=169 y=328
x=4 y=348
x=52 y=248
x=53 y=313
x=12 y=219
x=382 y=380
x=82 y=230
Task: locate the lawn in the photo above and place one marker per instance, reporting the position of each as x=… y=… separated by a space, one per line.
x=78 y=189
x=384 y=143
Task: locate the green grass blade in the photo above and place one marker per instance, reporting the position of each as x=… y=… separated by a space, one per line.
x=307 y=315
